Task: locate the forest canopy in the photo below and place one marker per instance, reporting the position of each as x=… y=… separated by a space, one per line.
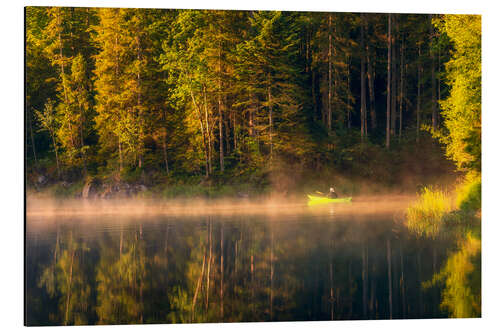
x=157 y=95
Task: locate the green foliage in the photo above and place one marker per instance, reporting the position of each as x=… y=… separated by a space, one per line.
x=425 y=217
x=462 y=109
x=469 y=194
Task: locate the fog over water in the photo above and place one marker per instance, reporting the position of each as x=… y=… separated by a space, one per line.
x=133 y=207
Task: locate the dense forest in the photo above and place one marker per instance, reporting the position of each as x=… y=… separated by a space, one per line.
x=255 y=99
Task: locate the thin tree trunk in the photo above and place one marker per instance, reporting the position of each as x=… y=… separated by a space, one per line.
x=269 y=101
x=348 y=102
x=63 y=76
x=433 y=77
x=221 y=136
x=120 y=153
x=203 y=132
x=363 y=80
x=235 y=130
x=30 y=119
x=388 y=113
x=371 y=89
x=439 y=76
x=439 y=81
x=139 y=105
x=419 y=78
x=401 y=91
x=57 y=155
x=251 y=115
x=393 y=80
x=329 y=115
x=209 y=135
x=164 y=141
x=313 y=93
x=227 y=126
x=82 y=144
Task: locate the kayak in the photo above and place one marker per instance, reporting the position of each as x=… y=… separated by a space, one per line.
x=314 y=200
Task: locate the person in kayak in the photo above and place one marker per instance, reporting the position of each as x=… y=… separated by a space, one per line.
x=332 y=194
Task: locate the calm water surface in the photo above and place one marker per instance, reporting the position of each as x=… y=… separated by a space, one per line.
x=296 y=263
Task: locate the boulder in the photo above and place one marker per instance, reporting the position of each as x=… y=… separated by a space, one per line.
x=41 y=180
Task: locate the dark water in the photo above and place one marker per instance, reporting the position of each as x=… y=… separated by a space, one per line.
x=309 y=264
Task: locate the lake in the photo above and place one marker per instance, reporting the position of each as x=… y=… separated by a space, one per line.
x=228 y=263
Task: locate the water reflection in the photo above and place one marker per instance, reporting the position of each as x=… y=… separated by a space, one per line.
x=460 y=275
x=310 y=266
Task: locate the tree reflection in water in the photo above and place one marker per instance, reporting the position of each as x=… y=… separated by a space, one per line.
x=233 y=269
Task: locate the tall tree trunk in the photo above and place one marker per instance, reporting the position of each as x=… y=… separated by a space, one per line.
x=401 y=91
x=433 y=76
x=313 y=93
x=393 y=80
x=439 y=81
x=63 y=80
x=120 y=153
x=139 y=105
x=117 y=92
x=251 y=115
x=363 y=79
x=208 y=130
x=227 y=127
x=82 y=144
x=371 y=89
x=329 y=115
x=29 y=115
x=219 y=97
x=270 y=107
x=388 y=113
x=164 y=141
x=52 y=134
x=235 y=130
x=419 y=79
x=203 y=132
x=348 y=99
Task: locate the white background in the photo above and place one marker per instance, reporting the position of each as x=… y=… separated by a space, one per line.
x=12 y=173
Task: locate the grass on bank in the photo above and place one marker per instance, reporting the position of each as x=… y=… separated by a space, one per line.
x=435 y=209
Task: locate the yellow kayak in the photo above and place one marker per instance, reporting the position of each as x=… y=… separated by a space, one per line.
x=316 y=200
